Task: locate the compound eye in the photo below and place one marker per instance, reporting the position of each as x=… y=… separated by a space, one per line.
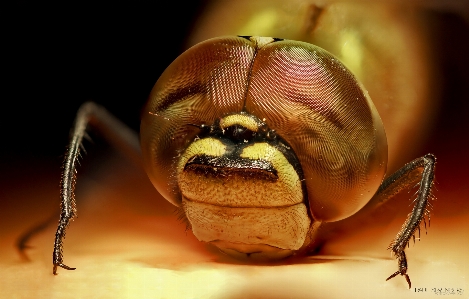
x=239 y=133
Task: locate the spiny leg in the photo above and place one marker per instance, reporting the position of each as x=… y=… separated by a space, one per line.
x=421 y=172
x=117 y=133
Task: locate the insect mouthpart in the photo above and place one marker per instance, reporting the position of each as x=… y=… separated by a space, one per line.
x=226 y=166
x=241 y=193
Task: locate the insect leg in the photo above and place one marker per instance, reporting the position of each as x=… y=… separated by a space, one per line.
x=117 y=133
x=421 y=172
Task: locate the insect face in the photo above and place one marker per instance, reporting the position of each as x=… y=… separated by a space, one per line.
x=259 y=140
x=242 y=190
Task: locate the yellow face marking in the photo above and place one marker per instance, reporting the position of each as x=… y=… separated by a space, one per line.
x=235 y=190
x=239 y=119
x=262 y=216
x=285 y=171
x=206 y=146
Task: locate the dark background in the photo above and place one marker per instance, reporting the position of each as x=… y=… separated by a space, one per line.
x=59 y=56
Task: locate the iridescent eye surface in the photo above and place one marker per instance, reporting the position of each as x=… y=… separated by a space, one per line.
x=302 y=93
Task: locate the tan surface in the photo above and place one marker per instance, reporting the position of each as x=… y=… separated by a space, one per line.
x=128 y=243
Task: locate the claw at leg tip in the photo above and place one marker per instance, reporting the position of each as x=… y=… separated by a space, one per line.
x=408 y=280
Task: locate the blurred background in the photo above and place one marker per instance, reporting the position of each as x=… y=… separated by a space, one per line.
x=58 y=56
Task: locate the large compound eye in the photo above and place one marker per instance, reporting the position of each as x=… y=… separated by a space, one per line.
x=300 y=91
x=386 y=44
x=202 y=85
